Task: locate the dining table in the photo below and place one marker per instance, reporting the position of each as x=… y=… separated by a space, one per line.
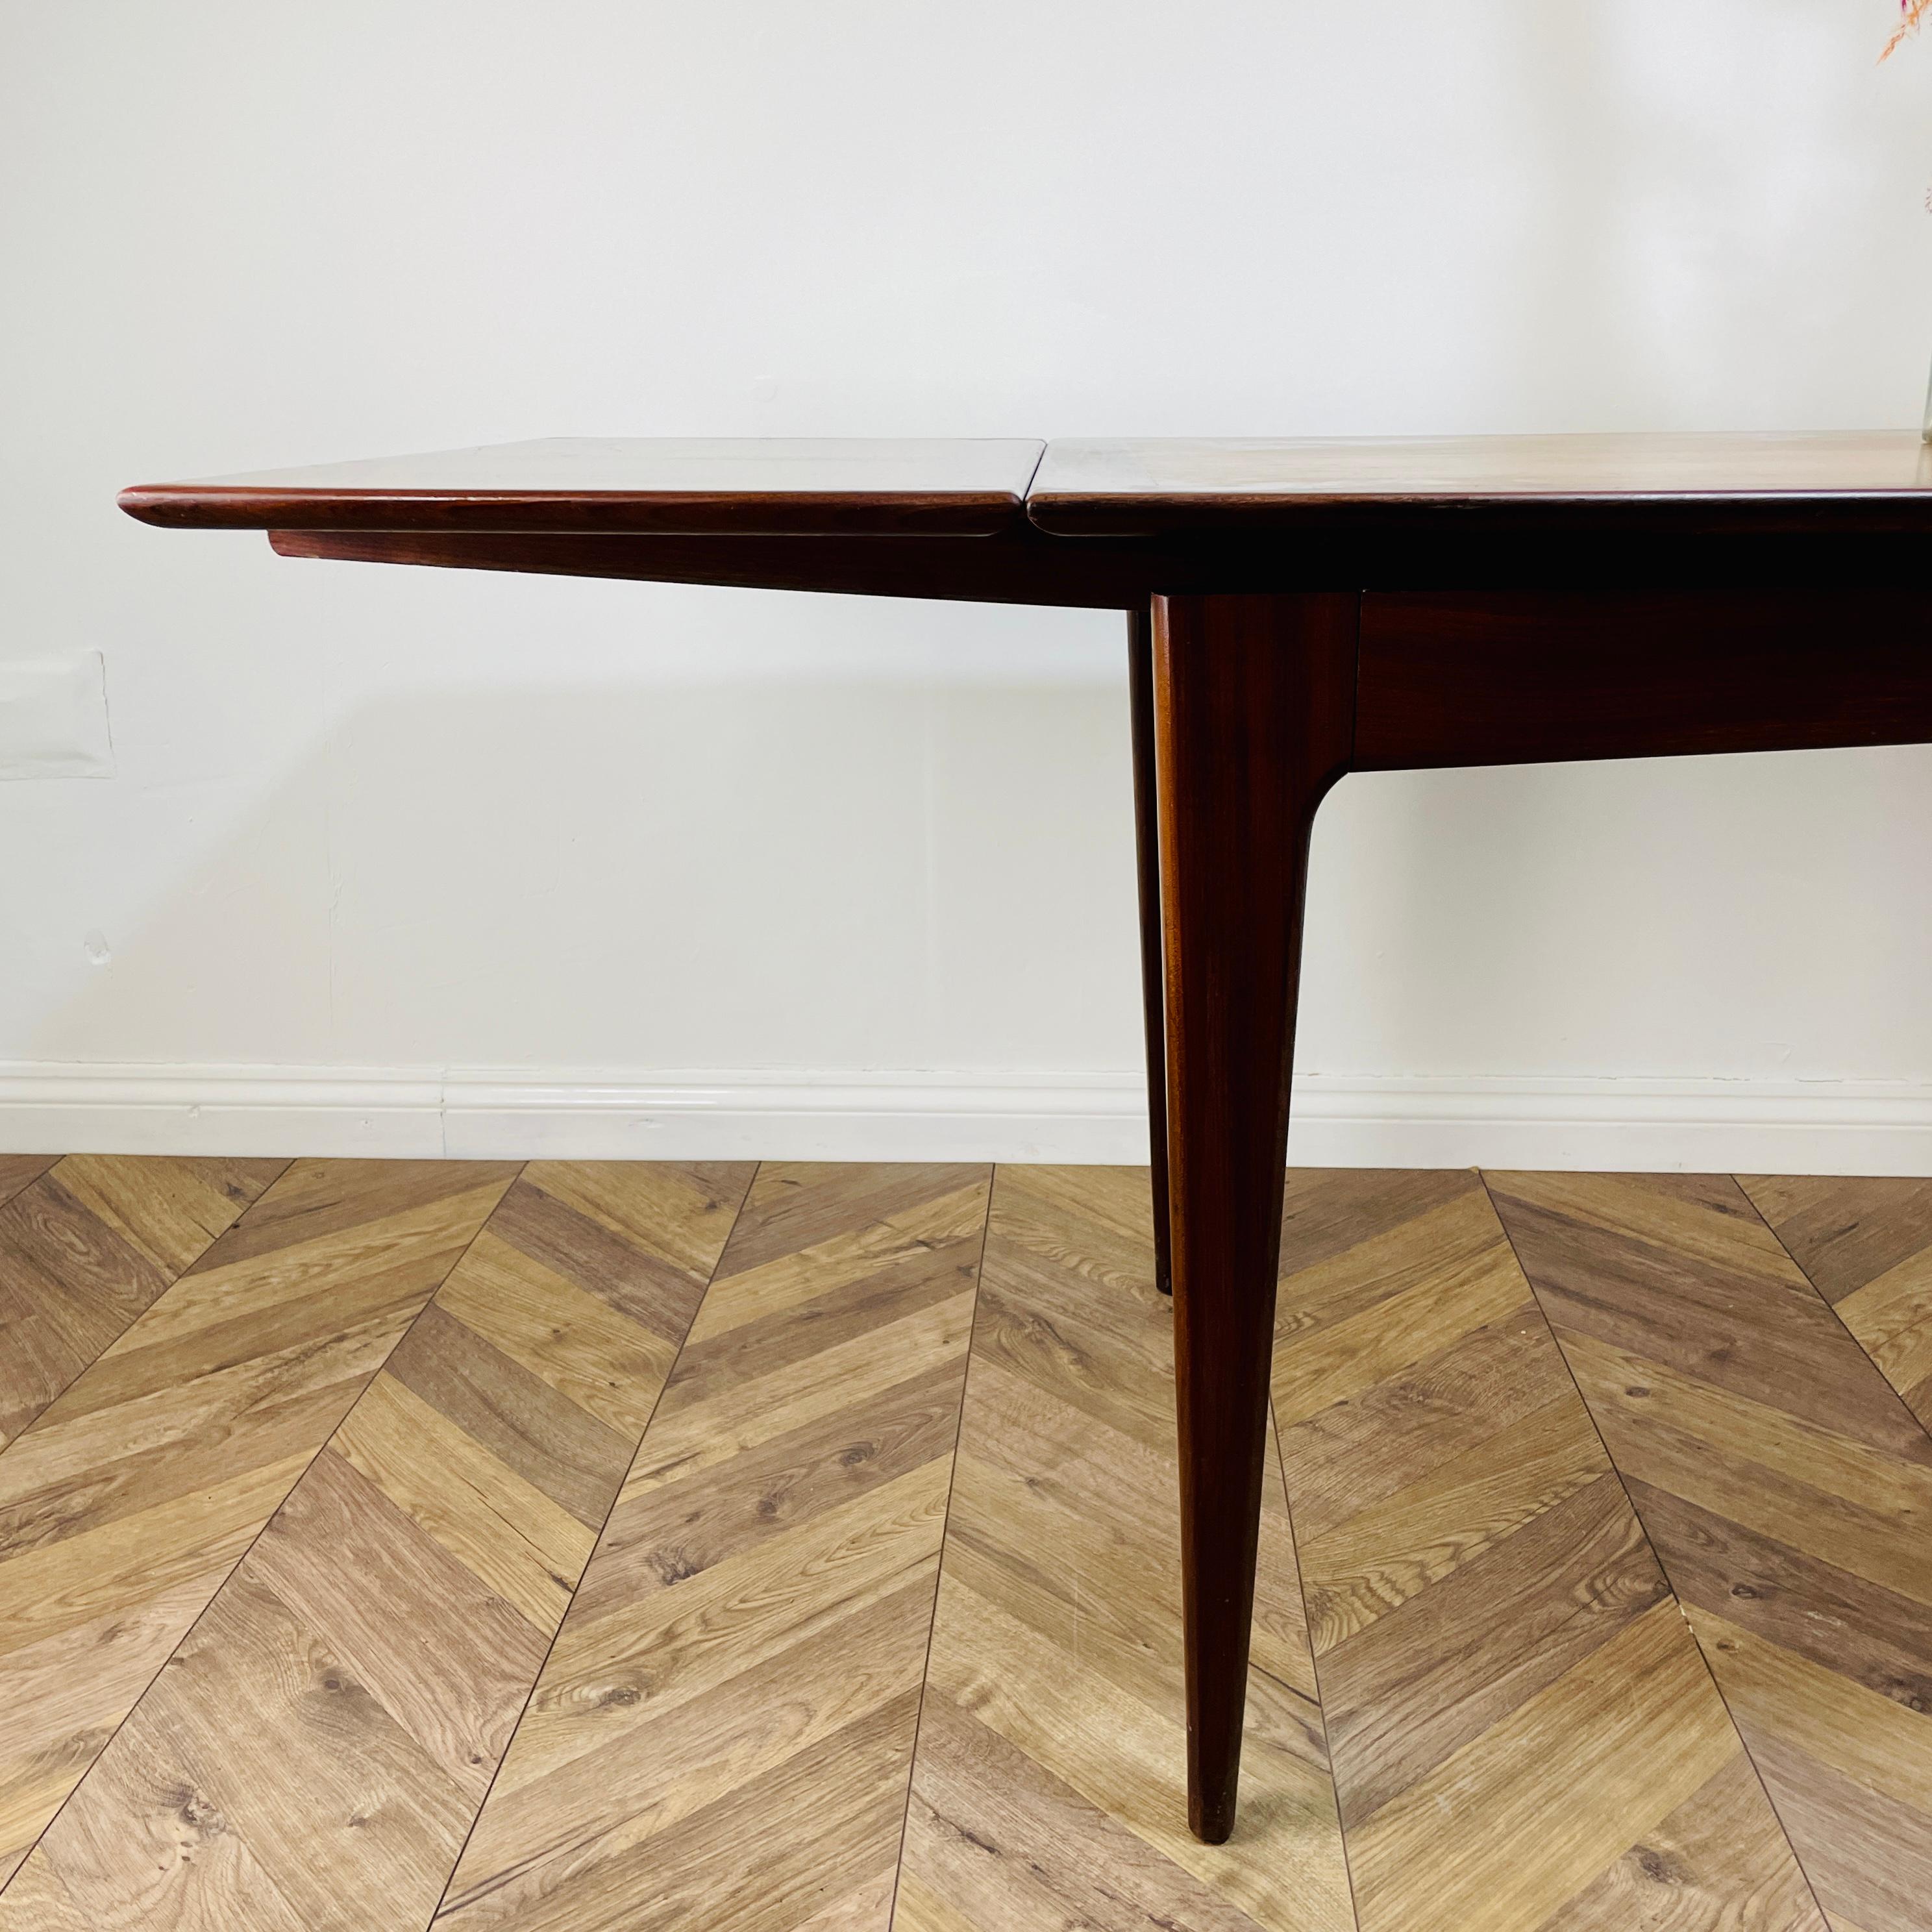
x=1298 y=610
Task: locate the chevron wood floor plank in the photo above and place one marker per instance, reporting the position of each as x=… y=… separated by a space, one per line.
x=128 y=1500
x=1050 y=1785
x=1783 y=1483
x=168 y=1209
x=1524 y=1735
x=86 y=1244
x=17 y=1169
x=1867 y=1247
x=318 y=1747
x=723 y=1734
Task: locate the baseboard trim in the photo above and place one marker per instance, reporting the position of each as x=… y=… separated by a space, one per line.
x=1745 y=1127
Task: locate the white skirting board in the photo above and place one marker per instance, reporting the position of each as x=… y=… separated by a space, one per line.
x=1711 y=1126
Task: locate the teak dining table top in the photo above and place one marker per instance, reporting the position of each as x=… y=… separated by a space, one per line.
x=1868 y=482
x=1298 y=610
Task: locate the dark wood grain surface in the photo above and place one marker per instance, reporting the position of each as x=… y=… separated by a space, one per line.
x=1020 y=565
x=961 y=486
x=1511 y=677
x=1254 y=698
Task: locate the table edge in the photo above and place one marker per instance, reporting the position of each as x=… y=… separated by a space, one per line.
x=688 y=513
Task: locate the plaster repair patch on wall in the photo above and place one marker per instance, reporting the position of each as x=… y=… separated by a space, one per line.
x=53 y=718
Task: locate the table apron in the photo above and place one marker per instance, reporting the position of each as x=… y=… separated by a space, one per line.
x=1460 y=678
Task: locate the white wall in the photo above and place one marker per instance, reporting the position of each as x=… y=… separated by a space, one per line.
x=407 y=860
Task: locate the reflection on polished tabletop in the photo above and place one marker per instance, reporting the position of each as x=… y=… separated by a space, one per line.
x=1180 y=484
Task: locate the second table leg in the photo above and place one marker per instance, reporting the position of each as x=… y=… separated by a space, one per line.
x=1147 y=855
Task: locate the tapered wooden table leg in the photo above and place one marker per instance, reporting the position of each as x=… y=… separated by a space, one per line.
x=1147 y=852
x=1254 y=704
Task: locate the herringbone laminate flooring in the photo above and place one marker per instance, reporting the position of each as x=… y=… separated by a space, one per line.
x=588 y=1546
